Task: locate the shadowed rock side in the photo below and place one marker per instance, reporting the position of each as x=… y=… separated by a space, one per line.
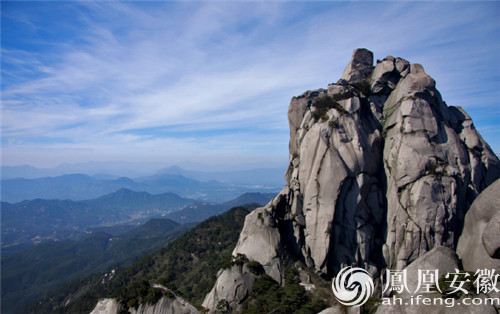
x=479 y=245
x=381 y=172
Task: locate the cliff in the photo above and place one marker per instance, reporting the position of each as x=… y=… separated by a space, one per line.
x=381 y=172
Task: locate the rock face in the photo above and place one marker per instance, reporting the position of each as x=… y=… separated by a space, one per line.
x=381 y=172
x=360 y=67
x=232 y=286
x=106 y=306
x=479 y=245
x=163 y=306
x=441 y=258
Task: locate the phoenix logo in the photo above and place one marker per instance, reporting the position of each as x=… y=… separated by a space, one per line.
x=352 y=286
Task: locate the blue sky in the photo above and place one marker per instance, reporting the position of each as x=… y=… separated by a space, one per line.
x=210 y=82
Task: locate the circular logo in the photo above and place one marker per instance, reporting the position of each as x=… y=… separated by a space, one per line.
x=352 y=286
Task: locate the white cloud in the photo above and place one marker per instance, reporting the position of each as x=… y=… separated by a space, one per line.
x=200 y=67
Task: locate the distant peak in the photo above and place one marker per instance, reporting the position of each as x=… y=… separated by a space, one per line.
x=175 y=170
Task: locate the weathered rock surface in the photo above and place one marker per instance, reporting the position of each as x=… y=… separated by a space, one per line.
x=106 y=306
x=479 y=244
x=441 y=258
x=165 y=306
x=338 y=309
x=232 y=286
x=360 y=67
x=381 y=172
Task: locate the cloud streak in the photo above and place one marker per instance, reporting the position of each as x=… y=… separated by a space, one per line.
x=149 y=80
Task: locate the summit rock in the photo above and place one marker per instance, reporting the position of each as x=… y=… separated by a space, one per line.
x=360 y=67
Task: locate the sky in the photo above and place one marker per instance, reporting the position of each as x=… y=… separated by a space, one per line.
x=210 y=82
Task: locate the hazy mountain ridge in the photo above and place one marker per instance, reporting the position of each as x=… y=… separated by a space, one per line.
x=83 y=187
x=251 y=177
x=70 y=186
x=31 y=222
x=92 y=168
x=36 y=220
x=202 y=211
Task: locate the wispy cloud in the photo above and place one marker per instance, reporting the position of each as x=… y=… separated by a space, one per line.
x=150 y=80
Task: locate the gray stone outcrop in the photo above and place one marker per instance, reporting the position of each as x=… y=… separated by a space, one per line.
x=381 y=172
x=232 y=286
x=165 y=306
x=106 y=306
x=441 y=258
x=360 y=67
x=479 y=244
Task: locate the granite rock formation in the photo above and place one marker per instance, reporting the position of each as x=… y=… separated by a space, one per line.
x=381 y=172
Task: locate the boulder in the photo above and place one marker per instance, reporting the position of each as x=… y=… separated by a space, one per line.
x=232 y=286
x=479 y=244
x=402 y=66
x=383 y=72
x=440 y=258
x=260 y=241
x=360 y=66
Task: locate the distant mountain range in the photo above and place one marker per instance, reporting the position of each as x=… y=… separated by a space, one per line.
x=201 y=211
x=114 y=169
x=82 y=187
x=31 y=222
x=252 y=177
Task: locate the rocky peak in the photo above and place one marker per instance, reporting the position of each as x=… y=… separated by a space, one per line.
x=381 y=171
x=360 y=66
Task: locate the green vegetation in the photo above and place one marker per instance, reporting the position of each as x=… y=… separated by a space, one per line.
x=29 y=274
x=342 y=96
x=364 y=86
x=223 y=306
x=139 y=292
x=325 y=103
x=255 y=268
x=267 y=296
x=56 y=220
x=188 y=266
